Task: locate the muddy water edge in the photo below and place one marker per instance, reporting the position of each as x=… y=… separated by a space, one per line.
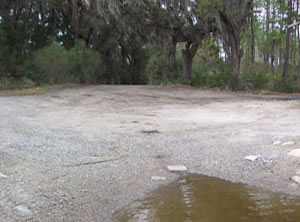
x=196 y=198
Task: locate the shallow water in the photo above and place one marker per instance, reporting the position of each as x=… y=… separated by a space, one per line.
x=197 y=198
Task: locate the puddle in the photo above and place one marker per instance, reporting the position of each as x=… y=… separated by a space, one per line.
x=205 y=199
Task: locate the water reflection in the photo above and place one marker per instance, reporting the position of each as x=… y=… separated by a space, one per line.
x=199 y=198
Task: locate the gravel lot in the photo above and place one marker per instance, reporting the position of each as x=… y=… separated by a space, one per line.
x=80 y=154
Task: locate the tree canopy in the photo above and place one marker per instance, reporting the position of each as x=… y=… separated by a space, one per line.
x=223 y=43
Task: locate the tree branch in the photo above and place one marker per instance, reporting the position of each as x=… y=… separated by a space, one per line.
x=294 y=24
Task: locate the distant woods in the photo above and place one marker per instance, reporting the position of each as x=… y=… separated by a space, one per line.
x=235 y=44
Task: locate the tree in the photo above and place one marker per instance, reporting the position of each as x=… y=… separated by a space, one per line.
x=231 y=19
x=185 y=21
x=287 y=42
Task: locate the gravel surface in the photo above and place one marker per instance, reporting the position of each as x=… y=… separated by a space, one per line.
x=80 y=154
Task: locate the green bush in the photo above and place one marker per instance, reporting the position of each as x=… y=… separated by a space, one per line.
x=214 y=73
x=13 y=83
x=85 y=65
x=157 y=68
x=260 y=78
x=55 y=64
x=49 y=65
x=292 y=83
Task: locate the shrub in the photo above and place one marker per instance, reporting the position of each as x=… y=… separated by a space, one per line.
x=260 y=78
x=49 y=65
x=13 y=83
x=157 y=68
x=55 y=64
x=85 y=65
x=214 y=73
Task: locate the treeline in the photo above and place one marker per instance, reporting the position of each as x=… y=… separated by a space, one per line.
x=236 y=44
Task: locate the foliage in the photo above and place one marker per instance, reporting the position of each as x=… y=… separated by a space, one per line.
x=86 y=65
x=11 y=57
x=150 y=41
x=7 y=83
x=30 y=90
x=157 y=70
x=55 y=64
x=214 y=73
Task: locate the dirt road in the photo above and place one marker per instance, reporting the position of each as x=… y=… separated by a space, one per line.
x=80 y=154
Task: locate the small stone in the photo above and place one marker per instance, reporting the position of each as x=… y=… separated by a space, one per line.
x=251 y=157
x=277 y=142
x=3 y=175
x=24 y=210
x=296 y=179
x=288 y=143
x=295 y=153
x=177 y=168
x=298 y=172
x=156 y=178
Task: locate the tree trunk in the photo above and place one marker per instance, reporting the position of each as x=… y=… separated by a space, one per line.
x=295 y=38
x=267 y=54
x=252 y=38
x=291 y=46
x=188 y=55
x=172 y=55
x=235 y=53
x=231 y=31
x=187 y=65
x=52 y=19
x=295 y=47
x=281 y=48
x=78 y=18
x=272 y=55
x=273 y=40
x=298 y=34
x=287 y=43
x=234 y=45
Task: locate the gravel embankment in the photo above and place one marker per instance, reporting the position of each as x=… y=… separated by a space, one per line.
x=81 y=154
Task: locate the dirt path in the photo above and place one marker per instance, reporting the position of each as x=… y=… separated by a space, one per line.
x=80 y=154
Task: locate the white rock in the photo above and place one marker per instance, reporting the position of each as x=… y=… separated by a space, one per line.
x=295 y=153
x=298 y=172
x=288 y=143
x=156 y=178
x=252 y=157
x=296 y=179
x=24 y=210
x=3 y=175
x=177 y=168
x=277 y=142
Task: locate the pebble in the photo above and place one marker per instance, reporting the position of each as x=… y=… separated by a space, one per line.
x=3 y=175
x=252 y=157
x=24 y=210
x=296 y=179
x=288 y=143
x=295 y=153
x=277 y=142
x=177 y=168
x=156 y=178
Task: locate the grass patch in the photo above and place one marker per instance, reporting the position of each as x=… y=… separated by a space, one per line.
x=33 y=91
